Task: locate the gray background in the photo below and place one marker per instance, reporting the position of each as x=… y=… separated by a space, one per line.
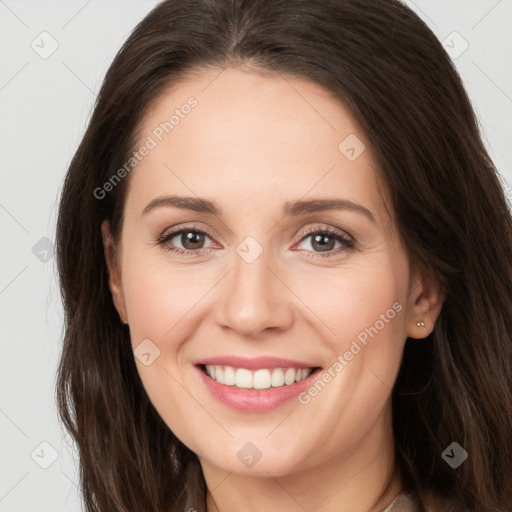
x=45 y=102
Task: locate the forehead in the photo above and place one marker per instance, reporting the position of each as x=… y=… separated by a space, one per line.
x=262 y=140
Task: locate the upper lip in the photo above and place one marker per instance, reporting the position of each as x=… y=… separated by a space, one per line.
x=254 y=363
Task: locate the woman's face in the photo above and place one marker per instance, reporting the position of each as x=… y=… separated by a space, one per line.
x=261 y=281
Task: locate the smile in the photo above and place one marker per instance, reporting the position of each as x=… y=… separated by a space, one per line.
x=261 y=389
x=264 y=378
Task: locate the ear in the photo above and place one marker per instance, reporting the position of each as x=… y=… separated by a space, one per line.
x=426 y=302
x=114 y=271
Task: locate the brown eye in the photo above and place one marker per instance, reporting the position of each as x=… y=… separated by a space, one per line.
x=322 y=242
x=192 y=240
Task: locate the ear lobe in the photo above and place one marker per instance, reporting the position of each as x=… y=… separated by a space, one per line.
x=114 y=272
x=427 y=302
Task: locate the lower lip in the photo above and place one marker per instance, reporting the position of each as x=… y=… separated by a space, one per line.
x=255 y=400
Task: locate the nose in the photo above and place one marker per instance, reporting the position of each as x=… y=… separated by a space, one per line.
x=254 y=298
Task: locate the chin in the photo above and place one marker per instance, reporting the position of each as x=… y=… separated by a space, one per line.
x=249 y=460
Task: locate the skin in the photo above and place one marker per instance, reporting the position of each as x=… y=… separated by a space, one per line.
x=252 y=143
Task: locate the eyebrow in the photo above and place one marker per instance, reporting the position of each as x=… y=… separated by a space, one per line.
x=293 y=208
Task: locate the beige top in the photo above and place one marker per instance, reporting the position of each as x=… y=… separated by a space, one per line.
x=404 y=502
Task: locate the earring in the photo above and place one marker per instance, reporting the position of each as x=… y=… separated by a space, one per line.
x=422 y=324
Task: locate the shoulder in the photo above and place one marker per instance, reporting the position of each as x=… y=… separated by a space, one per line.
x=434 y=502
x=409 y=501
x=406 y=501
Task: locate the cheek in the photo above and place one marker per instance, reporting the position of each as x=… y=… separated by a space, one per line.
x=349 y=302
x=160 y=297
x=342 y=304
x=363 y=315
x=159 y=302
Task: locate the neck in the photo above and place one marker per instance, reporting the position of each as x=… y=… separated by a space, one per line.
x=366 y=480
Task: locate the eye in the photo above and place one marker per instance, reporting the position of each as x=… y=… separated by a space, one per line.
x=191 y=238
x=323 y=241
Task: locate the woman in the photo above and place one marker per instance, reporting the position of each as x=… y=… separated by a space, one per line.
x=285 y=259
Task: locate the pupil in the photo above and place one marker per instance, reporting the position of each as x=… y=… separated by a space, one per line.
x=192 y=238
x=323 y=240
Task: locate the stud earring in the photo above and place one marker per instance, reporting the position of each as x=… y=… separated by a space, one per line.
x=422 y=324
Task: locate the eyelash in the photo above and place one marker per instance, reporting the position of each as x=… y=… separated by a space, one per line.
x=347 y=242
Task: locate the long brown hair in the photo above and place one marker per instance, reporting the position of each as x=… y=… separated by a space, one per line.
x=388 y=68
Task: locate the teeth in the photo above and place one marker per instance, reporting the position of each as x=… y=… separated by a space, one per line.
x=259 y=379
x=243 y=378
x=290 y=376
x=229 y=376
x=277 y=379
